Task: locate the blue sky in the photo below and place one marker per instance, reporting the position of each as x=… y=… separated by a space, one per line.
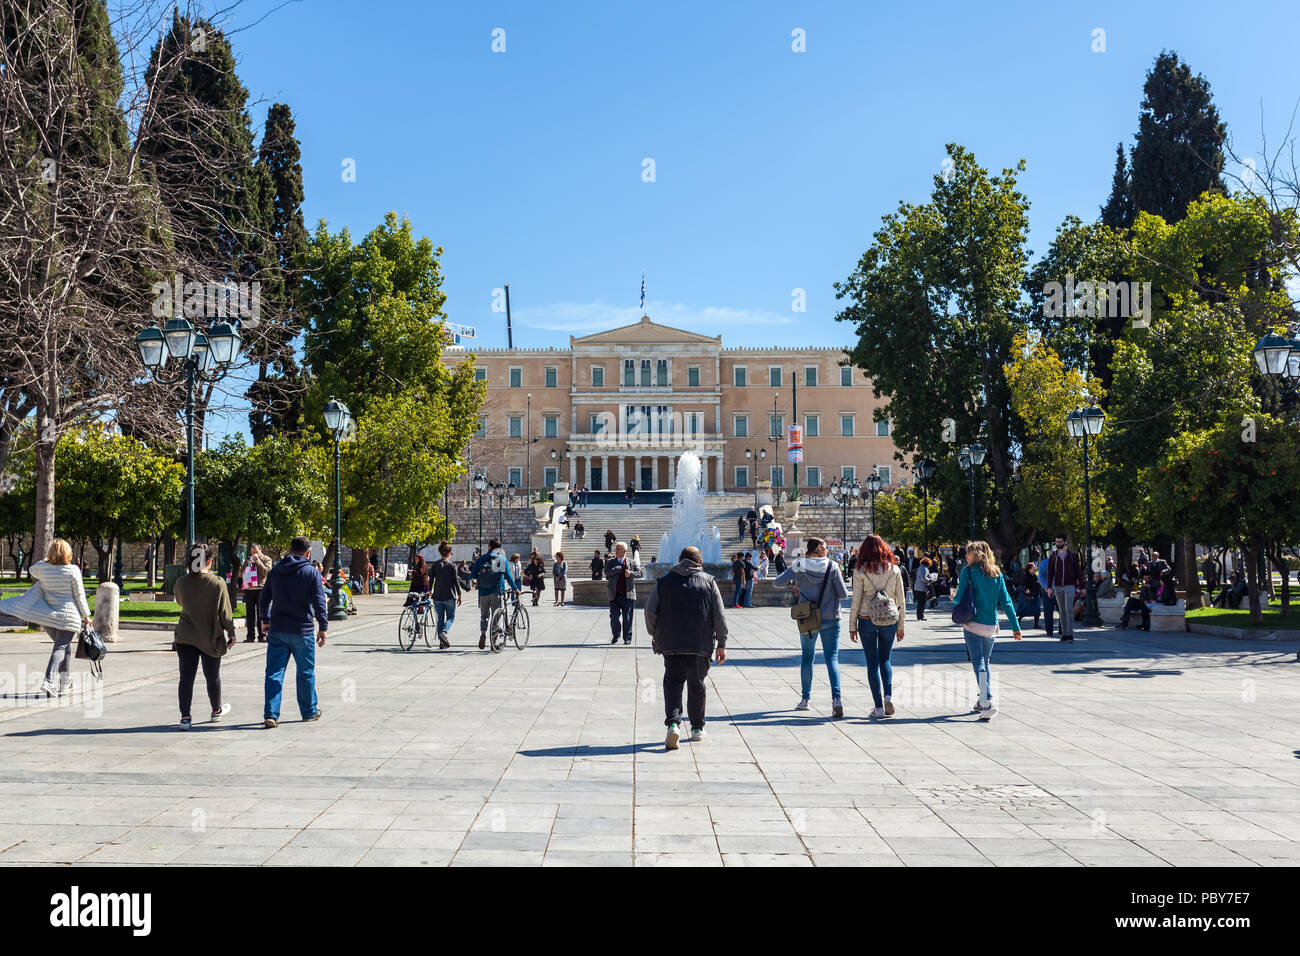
x=772 y=167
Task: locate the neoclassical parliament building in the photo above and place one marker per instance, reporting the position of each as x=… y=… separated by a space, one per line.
x=619 y=407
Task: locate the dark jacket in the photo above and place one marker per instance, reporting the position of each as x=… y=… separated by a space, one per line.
x=446 y=580
x=597 y=568
x=684 y=612
x=614 y=571
x=294 y=597
x=1060 y=571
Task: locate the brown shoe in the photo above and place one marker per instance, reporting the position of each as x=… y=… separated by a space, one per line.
x=315 y=716
x=270 y=722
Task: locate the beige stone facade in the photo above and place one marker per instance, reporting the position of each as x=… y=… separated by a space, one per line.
x=619 y=407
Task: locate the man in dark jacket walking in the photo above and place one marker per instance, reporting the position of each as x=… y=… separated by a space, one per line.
x=621 y=574
x=685 y=618
x=293 y=601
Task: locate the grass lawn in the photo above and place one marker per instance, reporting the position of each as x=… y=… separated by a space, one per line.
x=1221 y=617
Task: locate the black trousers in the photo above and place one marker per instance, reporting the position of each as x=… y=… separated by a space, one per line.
x=621 y=609
x=687 y=670
x=190 y=657
x=1135 y=604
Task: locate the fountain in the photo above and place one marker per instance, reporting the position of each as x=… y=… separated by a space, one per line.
x=689 y=527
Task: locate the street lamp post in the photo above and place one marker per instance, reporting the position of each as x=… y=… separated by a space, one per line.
x=926 y=472
x=339 y=421
x=755 y=455
x=874 y=483
x=200 y=355
x=970 y=458
x=1082 y=423
x=844 y=493
x=480 y=485
x=528 y=445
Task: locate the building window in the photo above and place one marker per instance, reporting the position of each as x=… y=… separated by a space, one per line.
x=598 y=376
x=813 y=477
x=810 y=376
x=812 y=426
x=776 y=427
x=778 y=476
x=629 y=372
x=740 y=426
x=598 y=422
x=482 y=427
x=849 y=472
x=515 y=476
x=661 y=372
x=774 y=376
x=846 y=426
x=882 y=429
x=742 y=476
x=550 y=475
x=552 y=376
x=480 y=374
x=846 y=375
x=886 y=475
x=694 y=422
x=516 y=377
x=645 y=373
x=663 y=422
x=738 y=376
x=693 y=376
x=516 y=423
x=550 y=426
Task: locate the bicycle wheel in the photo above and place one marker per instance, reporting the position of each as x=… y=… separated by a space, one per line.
x=430 y=623
x=497 y=630
x=520 y=628
x=407 y=627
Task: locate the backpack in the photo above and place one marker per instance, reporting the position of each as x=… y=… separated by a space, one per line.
x=489 y=577
x=881 y=608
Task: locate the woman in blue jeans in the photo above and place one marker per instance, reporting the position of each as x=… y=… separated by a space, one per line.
x=818 y=579
x=877 y=579
x=983 y=576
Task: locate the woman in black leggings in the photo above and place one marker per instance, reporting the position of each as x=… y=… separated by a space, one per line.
x=205 y=631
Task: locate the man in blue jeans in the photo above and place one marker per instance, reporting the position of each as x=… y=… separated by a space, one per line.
x=293 y=601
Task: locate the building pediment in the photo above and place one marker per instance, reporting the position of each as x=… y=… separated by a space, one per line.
x=644 y=332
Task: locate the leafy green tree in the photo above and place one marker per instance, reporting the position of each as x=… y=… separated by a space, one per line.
x=112 y=489
x=266 y=492
x=1235 y=482
x=935 y=301
x=901 y=517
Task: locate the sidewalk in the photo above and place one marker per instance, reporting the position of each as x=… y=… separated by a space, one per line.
x=1122 y=748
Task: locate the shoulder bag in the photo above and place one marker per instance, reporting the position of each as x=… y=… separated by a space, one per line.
x=808 y=614
x=965 y=611
x=91 y=647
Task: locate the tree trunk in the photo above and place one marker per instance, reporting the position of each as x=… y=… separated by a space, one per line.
x=105 y=557
x=1278 y=557
x=357 y=571
x=327 y=562
x=1195 y=597
x=1252 y=577
x=44 y=487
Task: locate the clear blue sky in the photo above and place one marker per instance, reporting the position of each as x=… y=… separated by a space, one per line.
x=773 y=167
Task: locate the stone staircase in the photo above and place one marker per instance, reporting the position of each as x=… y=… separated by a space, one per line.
x=650 y=522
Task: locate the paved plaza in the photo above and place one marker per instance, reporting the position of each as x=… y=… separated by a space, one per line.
x=1122 y=749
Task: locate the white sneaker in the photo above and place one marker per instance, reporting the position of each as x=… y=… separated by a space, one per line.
x=980 y=706
x=218 y=714
x=877 y=713
x=698 y=735
x=988 y=712
x=674 y=734
x=889 y=707
x=65 y=681
x=802 y=705
x=48 y=689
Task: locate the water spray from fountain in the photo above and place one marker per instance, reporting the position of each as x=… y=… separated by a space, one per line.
x=689 y=526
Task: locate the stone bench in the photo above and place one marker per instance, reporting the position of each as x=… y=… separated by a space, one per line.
x=1111 y=609
x=1164 y=617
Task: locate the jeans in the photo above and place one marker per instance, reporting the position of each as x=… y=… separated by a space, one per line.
x=1064 y=596
x=1049 y=608
x=190 y=657
x=689 y=670
x=621 y=609
x=61 y=656
x=830 y=638
x=487 y=603
x=445 y=613
x=279 y=648
x=980 y=650
x=877 y=642
x=749 y=593
x=740 y=593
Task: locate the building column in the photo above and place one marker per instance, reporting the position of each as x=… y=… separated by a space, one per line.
x=586 y=471
x=622 y=483
x=704 y=474
x=573 y=471
x=672 y=472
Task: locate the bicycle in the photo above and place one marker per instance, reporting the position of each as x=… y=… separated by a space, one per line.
x=417 y=620
x=509 y=622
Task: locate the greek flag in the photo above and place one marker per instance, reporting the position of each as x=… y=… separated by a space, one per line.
x=643 y=291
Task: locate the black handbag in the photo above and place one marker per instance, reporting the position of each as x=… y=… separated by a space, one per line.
x=91 y=647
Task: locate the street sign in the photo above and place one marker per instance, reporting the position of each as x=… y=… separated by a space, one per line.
x=794 y=444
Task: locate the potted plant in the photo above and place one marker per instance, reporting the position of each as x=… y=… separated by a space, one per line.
x=791 y=507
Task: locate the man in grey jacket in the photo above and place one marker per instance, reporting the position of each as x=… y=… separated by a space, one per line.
x=685 y=618
x=621 y=574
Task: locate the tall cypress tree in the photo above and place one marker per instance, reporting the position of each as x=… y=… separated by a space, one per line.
x=1178 y=153
x=1118 y=211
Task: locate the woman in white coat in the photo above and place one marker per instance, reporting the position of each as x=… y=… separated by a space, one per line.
x=57 y=602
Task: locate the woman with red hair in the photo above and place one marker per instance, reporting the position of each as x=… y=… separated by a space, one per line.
x=877 y=612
